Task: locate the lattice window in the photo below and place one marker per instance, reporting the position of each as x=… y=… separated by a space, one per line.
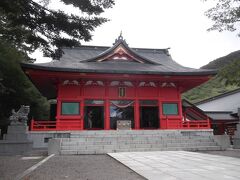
x=70 y=108
x=170 y=108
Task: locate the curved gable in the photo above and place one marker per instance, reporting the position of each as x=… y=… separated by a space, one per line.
x=120 y=52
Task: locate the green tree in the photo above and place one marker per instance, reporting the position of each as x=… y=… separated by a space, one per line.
x=29 y=25
x=211 y=88
x=16 y=89
x=226 y=15
x=228 y=70
x=230 y=74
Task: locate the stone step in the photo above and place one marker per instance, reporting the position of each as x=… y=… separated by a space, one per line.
x=125 y=136
x=130 y=146
x=137 y=144
x=120 y=133
x=142 y=132
x=134 y=136
x=142 y=141
x=104 y=151
x=82 y=139
x=127 y=132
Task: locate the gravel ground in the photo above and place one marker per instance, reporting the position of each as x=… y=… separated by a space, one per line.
x=11 y=166
x=83 y=167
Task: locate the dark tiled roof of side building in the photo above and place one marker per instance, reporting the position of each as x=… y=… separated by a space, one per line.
x=221 y=115
x=218 y=96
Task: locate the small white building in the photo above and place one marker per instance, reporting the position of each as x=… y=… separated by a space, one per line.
x=224 y=111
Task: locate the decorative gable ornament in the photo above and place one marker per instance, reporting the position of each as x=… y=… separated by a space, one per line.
x=147 y=84
x=120 y=52
x=121 y=83
x=94 y=83
x=70 y=82
x=168 y=84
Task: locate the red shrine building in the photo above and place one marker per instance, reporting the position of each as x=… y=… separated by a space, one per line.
x=96 y=86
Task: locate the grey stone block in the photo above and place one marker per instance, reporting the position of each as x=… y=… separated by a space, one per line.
x=16 y=140
x=54 y=146
x=236 y=143
x=12 y=147
x=17 y=129
x=40 y=138
x=223 y=140
x=237 y=132
x=236 y=138
x=16 y=136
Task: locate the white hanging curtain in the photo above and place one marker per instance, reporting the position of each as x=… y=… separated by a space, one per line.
x=122 y=105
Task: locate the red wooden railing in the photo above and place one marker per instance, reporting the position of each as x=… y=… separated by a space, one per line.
x=196 y=124
x=55 y=125
x=190 y=124
x=166 y=123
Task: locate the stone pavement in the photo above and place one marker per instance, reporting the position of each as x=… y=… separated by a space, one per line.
x=180 y=165
x=229 y=152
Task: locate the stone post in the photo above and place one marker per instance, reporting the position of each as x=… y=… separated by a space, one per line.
x=236 y=138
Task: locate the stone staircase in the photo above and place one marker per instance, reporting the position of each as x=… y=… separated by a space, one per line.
x=101 y=142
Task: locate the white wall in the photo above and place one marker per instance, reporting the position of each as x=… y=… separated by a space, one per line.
x=227 y=103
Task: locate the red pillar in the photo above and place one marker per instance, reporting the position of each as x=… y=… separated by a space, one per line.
x=59 y=102
x=82 y=103
x=209 y=123
x=81 y=92
x=162 y=125
x=32 y=124
x=107 y=107
x=107 y=115
x=136 y=115
x=136 y=107
x=161 y=121
x=221 y=128
x=180 y=109
x=82 y=113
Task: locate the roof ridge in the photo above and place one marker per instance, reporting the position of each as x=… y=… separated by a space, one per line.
x=218 y=111
x=133 y=48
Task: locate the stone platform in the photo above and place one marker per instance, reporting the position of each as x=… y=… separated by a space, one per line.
x=16 y=140
x=102 y=142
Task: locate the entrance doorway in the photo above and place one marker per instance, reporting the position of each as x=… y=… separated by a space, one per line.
x=149 y=118
x=121 y=110
x=94 y=115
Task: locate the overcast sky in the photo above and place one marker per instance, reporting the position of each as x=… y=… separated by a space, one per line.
x=178 y=24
